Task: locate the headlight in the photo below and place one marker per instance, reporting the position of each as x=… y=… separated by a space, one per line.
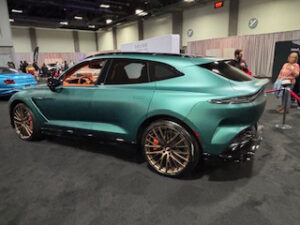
x=237 y=100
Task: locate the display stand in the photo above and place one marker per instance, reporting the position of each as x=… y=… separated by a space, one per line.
x=284 y=126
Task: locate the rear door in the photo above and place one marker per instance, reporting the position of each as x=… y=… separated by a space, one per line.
x=123 y=99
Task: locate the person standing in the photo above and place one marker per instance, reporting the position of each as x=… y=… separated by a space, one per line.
x=289 y=71
x=296 y=88
x=238 y=58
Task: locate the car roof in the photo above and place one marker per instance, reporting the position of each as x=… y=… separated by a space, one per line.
x=176 y=60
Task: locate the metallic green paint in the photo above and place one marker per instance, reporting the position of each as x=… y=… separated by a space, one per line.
x=118 y=111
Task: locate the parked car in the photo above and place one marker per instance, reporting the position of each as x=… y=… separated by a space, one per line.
x=12 y=81
x=176 y=108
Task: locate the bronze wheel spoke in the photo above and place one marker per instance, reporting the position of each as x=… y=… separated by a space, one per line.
x=178 y=161
x=180 y=156
x=154 y=153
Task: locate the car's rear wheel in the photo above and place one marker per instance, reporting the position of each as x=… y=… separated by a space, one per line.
x=24 y=122
x=170 y=149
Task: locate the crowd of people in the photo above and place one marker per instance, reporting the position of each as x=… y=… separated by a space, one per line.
x=289 y=73
x=45 y=70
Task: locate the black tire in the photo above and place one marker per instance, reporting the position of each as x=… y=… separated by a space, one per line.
x=181 y=160
x=27 y=119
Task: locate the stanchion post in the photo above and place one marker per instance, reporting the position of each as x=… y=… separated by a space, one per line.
x=284 y=126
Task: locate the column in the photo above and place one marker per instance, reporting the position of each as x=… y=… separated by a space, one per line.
x=6 y=45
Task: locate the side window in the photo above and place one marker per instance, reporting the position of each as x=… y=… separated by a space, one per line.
x=86 y=74
x=160 y=71
x=127 y=71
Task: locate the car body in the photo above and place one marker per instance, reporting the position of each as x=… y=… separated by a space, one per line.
x=211 y=106
x=12 y=81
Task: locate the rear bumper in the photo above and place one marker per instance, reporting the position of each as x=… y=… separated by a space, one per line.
x=219 y=124
x=243 y=146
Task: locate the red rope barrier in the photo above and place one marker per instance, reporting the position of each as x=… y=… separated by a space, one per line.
x=270 y=91
x=294 y=95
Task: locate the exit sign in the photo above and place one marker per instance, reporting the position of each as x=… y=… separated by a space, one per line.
x=219 y=4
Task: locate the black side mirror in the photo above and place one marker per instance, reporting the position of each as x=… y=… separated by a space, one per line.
x=53 y=83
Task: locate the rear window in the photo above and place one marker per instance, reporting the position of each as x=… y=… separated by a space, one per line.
x=224 y=69
x=161 y=71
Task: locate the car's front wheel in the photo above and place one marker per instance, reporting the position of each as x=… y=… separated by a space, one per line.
x=24 y=122
x=170 y=149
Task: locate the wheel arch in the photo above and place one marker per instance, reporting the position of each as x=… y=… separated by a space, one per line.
x=154 y=118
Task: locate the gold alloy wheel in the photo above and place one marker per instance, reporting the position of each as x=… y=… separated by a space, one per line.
x=23 y=121
x=167 y=150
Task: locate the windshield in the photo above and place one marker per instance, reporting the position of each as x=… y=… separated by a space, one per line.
x=228 y=71
x=4 y=70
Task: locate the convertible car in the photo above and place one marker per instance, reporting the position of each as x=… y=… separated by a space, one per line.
x=176 y=108
x=12 y=81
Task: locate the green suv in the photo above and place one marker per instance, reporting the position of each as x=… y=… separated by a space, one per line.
x=176 y=108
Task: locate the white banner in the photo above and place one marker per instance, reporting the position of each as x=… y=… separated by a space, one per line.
x=163 y=44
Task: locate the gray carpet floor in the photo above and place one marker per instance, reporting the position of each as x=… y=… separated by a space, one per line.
x=83 y=182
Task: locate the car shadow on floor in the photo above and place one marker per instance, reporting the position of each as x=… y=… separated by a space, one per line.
x=215 y=169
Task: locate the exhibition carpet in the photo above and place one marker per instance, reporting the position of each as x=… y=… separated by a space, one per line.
x=83 y=182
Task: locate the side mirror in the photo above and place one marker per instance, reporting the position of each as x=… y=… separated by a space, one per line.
x=53 y=83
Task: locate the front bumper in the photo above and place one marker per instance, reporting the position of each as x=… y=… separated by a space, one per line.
x=244 y=145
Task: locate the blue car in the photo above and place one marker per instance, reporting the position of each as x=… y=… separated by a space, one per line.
x=12 y=81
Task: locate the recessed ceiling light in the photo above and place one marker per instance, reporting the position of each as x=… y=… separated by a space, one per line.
x=64 y=23
x=17 y=11
x=106 y=6
x=11 y=20
x=92 y=26
x=188 y=0
x=140 y=12
x=108 y=21
x=78 y=17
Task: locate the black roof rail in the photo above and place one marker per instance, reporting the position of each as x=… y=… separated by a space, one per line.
x=142 y=53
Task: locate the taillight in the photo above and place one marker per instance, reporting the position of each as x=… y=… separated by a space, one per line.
x=237 y=100
x=9 y=81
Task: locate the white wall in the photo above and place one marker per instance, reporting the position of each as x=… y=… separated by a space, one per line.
x=158 y=26
x=54 y=40
x=127 y=33
x=105 y=40
x=21 y=39
x=272 y=15
x=87 y=41
x=206 y=22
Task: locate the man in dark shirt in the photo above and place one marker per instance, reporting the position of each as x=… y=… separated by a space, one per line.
x=238 y=58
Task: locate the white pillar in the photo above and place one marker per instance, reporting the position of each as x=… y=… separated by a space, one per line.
x=6 y=44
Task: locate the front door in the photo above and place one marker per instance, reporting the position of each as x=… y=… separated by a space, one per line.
x=70 y=104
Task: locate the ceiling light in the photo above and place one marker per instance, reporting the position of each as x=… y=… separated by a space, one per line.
x=11 y=20
x=17 y=11
x=78 y=17
x=64 y=23
x=108 y=21
x=106 y=6
x=92 y=26
x=140 y=12
x=188 y=0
